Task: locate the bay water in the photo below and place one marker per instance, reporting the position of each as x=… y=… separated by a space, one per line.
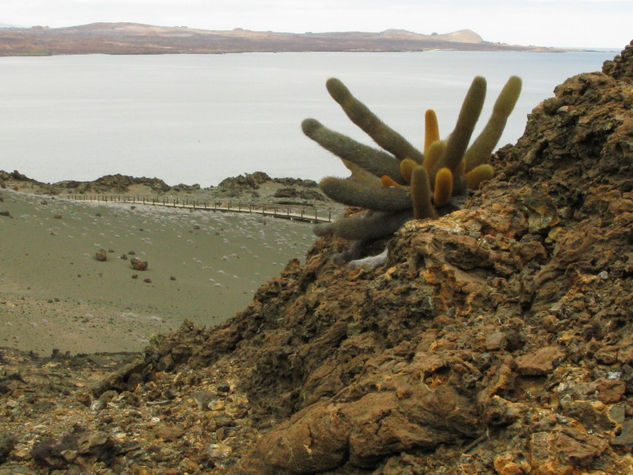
x=201 y=118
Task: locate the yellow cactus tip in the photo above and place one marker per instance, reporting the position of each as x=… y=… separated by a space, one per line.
x=406 y=168
x=388 y=182
x=431 y=129
x=478 y=175
x=443 y=187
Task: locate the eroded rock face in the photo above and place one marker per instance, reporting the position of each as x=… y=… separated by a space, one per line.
x=376 y=366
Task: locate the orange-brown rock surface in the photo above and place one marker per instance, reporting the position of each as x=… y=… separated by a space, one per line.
x=496 y=339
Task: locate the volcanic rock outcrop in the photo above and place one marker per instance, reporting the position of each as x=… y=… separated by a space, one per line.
x=496 y=338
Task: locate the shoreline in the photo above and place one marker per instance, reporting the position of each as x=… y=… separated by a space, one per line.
x=136 y=38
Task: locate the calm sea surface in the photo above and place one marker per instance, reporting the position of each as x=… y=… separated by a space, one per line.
x=200 y=118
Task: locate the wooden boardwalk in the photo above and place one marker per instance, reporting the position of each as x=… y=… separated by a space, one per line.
x=293 y=214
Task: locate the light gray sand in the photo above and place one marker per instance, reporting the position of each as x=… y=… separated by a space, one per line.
x=203 y=266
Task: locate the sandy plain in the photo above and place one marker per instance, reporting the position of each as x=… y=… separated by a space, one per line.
x=203 y=266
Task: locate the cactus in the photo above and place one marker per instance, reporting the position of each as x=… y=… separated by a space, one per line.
x=466 y=121
x=443 y=186
x=382 y=134
x=366 y=226
x=431 y=130
x=354 y=193
x=405 y=183
x=481 y=148
x=375 y=161
x=421 y=194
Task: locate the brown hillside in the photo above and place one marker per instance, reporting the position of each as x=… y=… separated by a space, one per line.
x=133 y=38
x=496 y=339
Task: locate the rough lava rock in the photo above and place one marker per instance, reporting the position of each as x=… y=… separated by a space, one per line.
x=368 y=368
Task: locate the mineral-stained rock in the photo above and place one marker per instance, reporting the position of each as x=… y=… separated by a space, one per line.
x=101 y=255
x=54 y=453
x=625 y=437
x=508 y=464
x=564 y=449
x=610 y=391
x=378 y=424
x=539 y=362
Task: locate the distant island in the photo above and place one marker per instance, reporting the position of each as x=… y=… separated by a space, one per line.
x=134 y=38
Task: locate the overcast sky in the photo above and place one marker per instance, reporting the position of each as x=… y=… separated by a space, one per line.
x=585 y=23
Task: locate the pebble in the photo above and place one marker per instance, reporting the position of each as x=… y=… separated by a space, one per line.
x=219 y=451
x=204 y=398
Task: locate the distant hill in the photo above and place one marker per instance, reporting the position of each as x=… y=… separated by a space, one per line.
x=134 y=38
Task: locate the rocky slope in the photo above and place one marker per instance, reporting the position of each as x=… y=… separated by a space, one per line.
x=496 y=339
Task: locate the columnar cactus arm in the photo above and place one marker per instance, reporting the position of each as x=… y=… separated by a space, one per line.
x=353 y=193
x=365 y=227
x=478 y=174
x=468 y=115
x=406 y=168
x=436 y=152
x=364 y=118
x=421 y=194
x=487 y=140
x=374 y=161
x=431 y=130
x=443 y=189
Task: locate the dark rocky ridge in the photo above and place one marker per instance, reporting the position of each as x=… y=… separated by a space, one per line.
x=106 y=184
x=250 y=187
x=496 y=339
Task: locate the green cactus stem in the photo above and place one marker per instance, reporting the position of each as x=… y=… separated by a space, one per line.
x=466 y=121
x=487 y=140
x=354 y=193
x=431 y=130
x=365 y=227
x=421 y=194
x=374 y=161
x=364 y=118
